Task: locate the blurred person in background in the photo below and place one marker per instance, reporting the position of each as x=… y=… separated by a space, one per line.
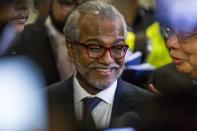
x=176 y=109
x=43 y=41
x=176 y=75
x=40 y=11
x=186 y=29
x=14 y=14
x=182 y=44
x=22 y=103
x=189 y=45
x=20 y=14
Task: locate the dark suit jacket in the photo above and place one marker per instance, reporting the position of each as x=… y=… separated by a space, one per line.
x=128 y=98
x=167 y=79
x=35 y=43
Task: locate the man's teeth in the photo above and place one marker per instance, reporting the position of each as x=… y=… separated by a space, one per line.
x=103 y=70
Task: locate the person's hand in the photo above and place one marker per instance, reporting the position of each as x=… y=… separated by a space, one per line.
x=152 y=89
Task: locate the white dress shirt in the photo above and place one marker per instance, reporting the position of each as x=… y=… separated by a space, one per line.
x=102 y=112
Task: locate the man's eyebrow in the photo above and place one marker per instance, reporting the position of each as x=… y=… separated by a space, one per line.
x=119 y=40
x=95 y=40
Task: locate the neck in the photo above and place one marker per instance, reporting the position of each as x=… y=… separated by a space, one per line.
x=86 y=86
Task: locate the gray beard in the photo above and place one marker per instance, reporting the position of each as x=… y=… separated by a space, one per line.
x=100 y=86
x=95 y=84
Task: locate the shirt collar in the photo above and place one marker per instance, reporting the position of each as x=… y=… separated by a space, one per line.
x=106 y=95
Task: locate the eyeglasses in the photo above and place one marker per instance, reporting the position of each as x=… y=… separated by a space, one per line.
x=97 y=51
x=166 y=32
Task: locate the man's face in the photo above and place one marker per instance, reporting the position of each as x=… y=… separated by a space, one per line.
x=61 y=10
x=190 y=47
x=180 y=58
x=20 y=12
x=97 y=74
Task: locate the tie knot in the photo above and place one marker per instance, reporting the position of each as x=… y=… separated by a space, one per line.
x=90 y=104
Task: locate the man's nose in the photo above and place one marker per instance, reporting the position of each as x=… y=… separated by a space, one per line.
x=106 y=58
x=173 y=42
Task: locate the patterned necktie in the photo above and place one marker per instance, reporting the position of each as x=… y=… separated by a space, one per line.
x=89 y=105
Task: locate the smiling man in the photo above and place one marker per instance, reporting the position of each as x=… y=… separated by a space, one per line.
x=95 y=38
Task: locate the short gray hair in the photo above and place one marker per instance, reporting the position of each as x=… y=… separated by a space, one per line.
x=105 y=11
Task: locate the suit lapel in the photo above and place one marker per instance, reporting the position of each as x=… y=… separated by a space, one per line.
x=124 y=101
x=61 y=105
x=62 y=99
x=69 y=97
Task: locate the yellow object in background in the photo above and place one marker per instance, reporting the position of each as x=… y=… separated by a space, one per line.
x=159 y=54
x=130 y=40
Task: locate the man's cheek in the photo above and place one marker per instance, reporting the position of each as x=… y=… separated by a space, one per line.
x=193 y=60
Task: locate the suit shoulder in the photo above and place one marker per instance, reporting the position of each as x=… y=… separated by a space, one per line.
x=61 y=85
x=132 y=97
x=35 y=28
x=164 y=71
x=133 y=89
x=59 y=90
x=166 y=68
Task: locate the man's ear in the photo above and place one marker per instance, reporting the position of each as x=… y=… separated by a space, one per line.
x=69 y=46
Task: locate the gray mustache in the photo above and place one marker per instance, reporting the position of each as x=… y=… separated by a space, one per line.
x=104 y=66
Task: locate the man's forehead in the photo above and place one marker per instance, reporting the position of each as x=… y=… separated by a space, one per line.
x=93 y=18
x=92 y=24
x=94 y=27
